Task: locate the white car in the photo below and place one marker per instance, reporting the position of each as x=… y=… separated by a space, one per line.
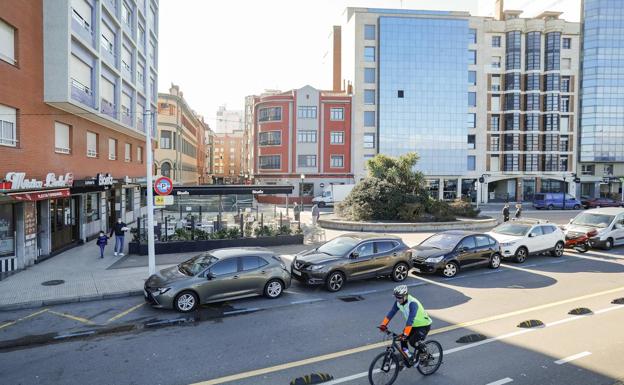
x=608 y=223
x=519 y=239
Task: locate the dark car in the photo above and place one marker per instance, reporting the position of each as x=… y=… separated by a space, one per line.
x=595 y=203
x=218 y=275
x=351 y=257
x=449 y=251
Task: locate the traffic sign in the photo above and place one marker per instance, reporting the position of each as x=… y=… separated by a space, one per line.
x=163 y=186
x=166 y=200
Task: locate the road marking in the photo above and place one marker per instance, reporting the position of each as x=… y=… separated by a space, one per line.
x=250 y=310
x=73 y=335
x=125 y=312
x=23 y=318
x=599 y=259
x=572 y=358
x=72 y=317
x=307 y=301
x=364 y=348
x=501 y=381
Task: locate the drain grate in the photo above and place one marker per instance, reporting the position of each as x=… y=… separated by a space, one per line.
x=471 y=338
x=580 y=311
x=53 y=282
x=532 y=323
x=352 y=298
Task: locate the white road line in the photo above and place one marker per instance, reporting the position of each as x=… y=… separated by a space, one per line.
x=249 y=310
x=306 y=301
x=572 y=358
x=501 y=381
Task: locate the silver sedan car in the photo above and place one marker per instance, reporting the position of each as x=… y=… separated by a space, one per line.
x=218 y=275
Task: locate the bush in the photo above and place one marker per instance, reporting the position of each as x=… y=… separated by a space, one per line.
x=264 y=231
x=372 y=198
x=463 y=208
x=284 y=230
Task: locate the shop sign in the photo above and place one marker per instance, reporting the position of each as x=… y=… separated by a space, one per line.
x=41 y=195
x=166 y=200
x=105 y=180
x=257 y=191
x=19 y=182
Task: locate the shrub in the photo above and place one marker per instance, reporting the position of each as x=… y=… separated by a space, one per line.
x=372 y=198
x=463 y=208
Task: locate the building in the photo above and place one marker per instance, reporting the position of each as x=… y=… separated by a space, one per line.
x=181 y=153
x=228 y=120
x=76 y=82
x=227 y=157
x=475 y=97
x=303 y=132
x=209 y=156
x=248 y=133
x=601 y=149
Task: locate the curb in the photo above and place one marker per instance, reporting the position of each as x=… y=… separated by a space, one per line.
x=62 y=301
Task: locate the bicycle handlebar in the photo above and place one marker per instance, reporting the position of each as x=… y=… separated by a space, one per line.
x=389 y=333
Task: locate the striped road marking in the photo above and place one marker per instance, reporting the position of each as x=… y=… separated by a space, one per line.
x=572 y=358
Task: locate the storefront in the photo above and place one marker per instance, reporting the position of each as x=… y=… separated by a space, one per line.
x=93 y=195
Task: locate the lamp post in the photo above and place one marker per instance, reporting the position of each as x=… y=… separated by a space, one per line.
x=301 y=190
x=565 y=191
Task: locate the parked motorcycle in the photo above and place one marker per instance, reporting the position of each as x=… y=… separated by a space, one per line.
x=579 y=241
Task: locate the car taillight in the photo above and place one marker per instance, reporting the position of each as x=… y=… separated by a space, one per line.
x=592 y=233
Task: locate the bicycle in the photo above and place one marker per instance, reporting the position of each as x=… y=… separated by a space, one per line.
x=394 y=359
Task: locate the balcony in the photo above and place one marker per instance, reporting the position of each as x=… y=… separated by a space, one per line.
x=108 y=108
x=81 y=27
x=82 y=93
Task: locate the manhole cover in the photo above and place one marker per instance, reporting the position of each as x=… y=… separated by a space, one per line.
x=353 y=298
x=53 y=282
x=471 y=338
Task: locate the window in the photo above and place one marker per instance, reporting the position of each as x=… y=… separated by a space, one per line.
x=369 y=54
x=270 y=114
x=553 y=51
x=512 y=101
x=112 y=149
x=512 y=81
x=369 y=32
x=141 y=36
x=588 y=169
x=80 y=73
x=126 y=15
x=472 y=78
x=61 y=138
x=92 y=207
x=607 y=169
x=551 y=102
x=369 y=118
x=165 y=140
x=369 y=75
x=565 y=84
x=140 y=154
x=306 y=161
x=126 y=59
x=564 y=123
x=251 y=263
x=306 y=189
x=108 y=39
x=369 y=140
x=472 y=120
x=531 y=162
x=128 y=152
x=532 y=102
x=336 y=113
x=365 y=250
x=306 y=112
x=471 y=142
x=551 y=143
x=495 y=103
x=565 y=104
x=270 y=162
x=496 y=41
x=82 y=13
x=531 y=122
x=472 y=36
x=400 y=94
x=337 y=161
x=496 y=62
x=306 y=136
x=566 y=43
x=8 y=120
x=512 y=122
x=533 y=50
x=513 y=41
x=129 y=199
x=7 y=43
x=532 y=82
x=531 y=143
x=271 y=138
x=472 y=99
x=472 y=56
x=512 y=142
x=563 y=144
x=551 y=122
x=468 y=242
x=495 y=123
x=141 y=75
x=494 y=143
x=552 y=82
x=495 y=83
x=225 y=267
x=472 y=163
x=385 y=246
x=336 y=137
x=91 y=145
x=369 y=96
x=107 y=94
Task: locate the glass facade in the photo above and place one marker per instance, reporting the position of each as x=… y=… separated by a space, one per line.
x=431 y=117
x=602 y=87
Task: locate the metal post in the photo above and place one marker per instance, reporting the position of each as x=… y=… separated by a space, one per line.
x=281 y=223
x=166 y=227
x=565 y=190
x=287 y=204
x=261 y=220
x=151 y=254
x=192 y=227
x=242 y=224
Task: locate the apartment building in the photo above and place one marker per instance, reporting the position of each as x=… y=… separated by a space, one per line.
x=227 y=158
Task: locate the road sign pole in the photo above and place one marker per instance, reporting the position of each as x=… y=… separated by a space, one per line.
x=151 y=254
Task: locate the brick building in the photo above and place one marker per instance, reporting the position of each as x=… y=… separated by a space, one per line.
x=228 y=157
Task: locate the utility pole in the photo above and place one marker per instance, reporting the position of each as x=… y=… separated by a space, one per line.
x=151 y=255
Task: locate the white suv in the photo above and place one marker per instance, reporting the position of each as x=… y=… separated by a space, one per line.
x=519 y=239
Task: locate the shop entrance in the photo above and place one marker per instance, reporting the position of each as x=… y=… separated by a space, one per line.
x=63 y=222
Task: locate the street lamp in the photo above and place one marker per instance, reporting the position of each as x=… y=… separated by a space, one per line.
x=301 y=190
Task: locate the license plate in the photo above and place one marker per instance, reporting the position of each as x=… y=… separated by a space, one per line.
x=295 y=272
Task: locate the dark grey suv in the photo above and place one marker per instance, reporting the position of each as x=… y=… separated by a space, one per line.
x=218 y=275
x=350 y=257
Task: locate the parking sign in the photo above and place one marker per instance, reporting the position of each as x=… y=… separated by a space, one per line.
x=163 y=186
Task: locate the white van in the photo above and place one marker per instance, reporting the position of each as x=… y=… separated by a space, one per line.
x=608 y=221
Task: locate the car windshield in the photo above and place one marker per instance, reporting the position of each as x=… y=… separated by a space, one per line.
x=339 y=246
x=197 y=264
x=594 y=220
x=512 y=229
x=326 y=193
x=442 y=241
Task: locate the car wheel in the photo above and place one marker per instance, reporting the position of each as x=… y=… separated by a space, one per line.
x=273 y=289
x=335 y=281
x=608 y=245
x=400 y=271
x=495 y=261
x=521 y=254
x=321 y=204
x=558 y=250
x=450 y=270
x=186 y=301
x=550 y=207
x=577 y=207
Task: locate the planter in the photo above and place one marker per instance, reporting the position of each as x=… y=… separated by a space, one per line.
x=335 y=223
x=205 y=245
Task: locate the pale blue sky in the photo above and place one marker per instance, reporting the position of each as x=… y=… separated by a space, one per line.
x=218 y=51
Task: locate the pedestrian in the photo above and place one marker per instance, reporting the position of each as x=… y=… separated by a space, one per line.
x=296 y=211
x=315 y=214
x=506 y=212
x=518 y=210
x=119 y=229
x=102 y=241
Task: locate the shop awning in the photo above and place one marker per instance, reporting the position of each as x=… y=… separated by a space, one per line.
x=40 y=195
x=232 y=189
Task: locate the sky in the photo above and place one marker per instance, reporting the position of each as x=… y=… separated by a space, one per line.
x=219 y=51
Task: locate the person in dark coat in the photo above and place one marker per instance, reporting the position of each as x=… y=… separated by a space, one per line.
x=518 y=210
x=506 y=212
x=119 y=229
x=102 y=241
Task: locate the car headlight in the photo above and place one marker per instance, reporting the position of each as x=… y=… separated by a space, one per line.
x=507 y=244
x=161 y=290
x=316 y=267
x=434 y=259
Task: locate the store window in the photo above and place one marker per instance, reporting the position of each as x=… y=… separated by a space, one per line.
x=306 y=189
x=7 y=230
x=129 y=199
x=92 y=207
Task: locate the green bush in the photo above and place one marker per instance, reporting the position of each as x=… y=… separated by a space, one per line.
x=372 y=198
x=463 y=208
x=264 y=231
x=284 y=230
x=233 y=233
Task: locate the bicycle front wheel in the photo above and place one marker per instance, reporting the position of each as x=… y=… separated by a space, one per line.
x=431 y=361
x=384 y=369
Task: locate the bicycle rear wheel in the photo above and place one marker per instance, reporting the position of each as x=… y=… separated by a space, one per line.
x=431 y=363
x=384 y=369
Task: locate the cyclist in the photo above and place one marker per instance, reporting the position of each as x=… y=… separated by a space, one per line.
x=417 y=323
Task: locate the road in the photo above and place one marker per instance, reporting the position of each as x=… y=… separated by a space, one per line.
x=258 y=341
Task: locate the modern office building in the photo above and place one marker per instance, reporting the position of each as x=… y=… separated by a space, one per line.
x=601 y=147
x=75 y=84
x=475 y=97
x=303 y=134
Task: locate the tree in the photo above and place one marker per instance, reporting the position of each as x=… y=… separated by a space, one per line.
x=398 y=171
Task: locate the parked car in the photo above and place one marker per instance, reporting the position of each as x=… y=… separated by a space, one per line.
x=552 y=201
x=521 y=238
x=596 y=203
x=350 y=257
x=333 y=194
x=608 y=223
x=218 y=275
x=449 y=251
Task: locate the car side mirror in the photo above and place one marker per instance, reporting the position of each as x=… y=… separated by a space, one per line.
x=210 y=276
x=532 y=235
x=354 y=255
x=463 y=249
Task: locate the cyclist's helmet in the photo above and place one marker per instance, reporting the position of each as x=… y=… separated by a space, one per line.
x=400 y=291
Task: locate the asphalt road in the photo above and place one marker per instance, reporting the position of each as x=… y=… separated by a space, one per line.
x=258 y=341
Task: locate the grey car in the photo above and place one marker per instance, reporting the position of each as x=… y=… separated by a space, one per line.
x=351 y=257
x=218 y=275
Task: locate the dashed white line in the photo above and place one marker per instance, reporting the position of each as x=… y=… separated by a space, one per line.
x=307 y=301
x=501 y=381
x=249 y=310
x=572 y=358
